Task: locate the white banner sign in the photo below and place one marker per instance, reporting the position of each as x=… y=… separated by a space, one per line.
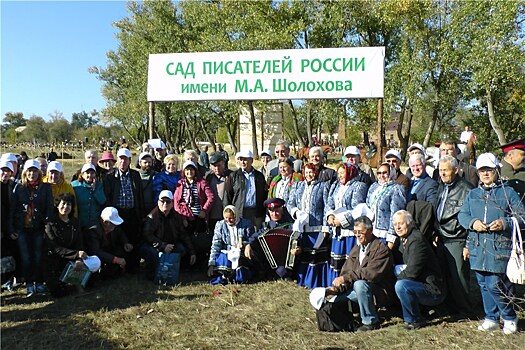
x=354 y=72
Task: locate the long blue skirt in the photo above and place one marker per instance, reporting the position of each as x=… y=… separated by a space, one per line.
x=341 y=247
x=314 y=265
x=224 y=272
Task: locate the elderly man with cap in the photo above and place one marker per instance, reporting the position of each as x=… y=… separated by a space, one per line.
x=282 y=152
x=423 y=187
x=246 y=189
x=123 y=189
x=513 y=166
x=108 y=242
x=465 y=170
x=216 y=178
x=352 y=155
x=160 y=151
x=163 y=232
x=147 y=174
x=278 y=218
x=266 y=157
x=393 y=157
x=91 y=157
x=367 y=277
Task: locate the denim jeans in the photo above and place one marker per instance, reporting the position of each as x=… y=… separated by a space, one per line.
x=411 y=294
x=31 y=247
x=362 y=294
x=151 y=257
x=496 y=294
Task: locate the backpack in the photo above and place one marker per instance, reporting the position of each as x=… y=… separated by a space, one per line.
x=168 y=269
x=335 y=317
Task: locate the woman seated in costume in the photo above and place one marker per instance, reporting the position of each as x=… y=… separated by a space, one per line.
x=227 y=259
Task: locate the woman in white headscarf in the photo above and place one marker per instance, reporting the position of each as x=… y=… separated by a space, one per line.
x=227 y=261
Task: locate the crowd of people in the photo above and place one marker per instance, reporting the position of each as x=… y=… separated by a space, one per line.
x=374 y=238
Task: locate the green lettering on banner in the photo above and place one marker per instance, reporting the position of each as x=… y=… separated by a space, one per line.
x=327 y=69
x=238 y=68
x=329 y=85
x=346 y=64
x=265 y=67
x=227 y=67
x=287 y=65
x=292 y=86
x=258 y=86
x=180 y=69
x=279 y=85
x=360 y=63
x=218 y=68
x=241 y=85
x=222 y=88
x=338 y=85
x=348 y=85
x=334 y=65
x=191 y=88
x=318 y=64
x=168 y=66
x=255 y=69
x=310 y=86
x=206 y=68
x=320 y=86
x=301 y=86
x=205 y=88
x=304 y=63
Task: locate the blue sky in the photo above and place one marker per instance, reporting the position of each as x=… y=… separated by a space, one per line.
x=46 y=50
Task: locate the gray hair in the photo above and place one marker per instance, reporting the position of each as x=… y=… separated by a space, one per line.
x=317 y=150
x=415 y=157
x=450 y=160
x=283 y=143
x=409 y=219
x=90 y=152
x=190 y=153
x=365 y=221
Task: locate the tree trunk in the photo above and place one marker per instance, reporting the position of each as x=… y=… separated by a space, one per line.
x=309 y=125
x=381 y=127
x=208 y=135
x=432 y=125
x=492 y=118
x=231 y=135
x=191 y=135
x=152 y=120
x=254 y=130
x=296 y=126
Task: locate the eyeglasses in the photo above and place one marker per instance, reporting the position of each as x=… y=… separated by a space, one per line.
x=486 y=171
x=280 y=151
x=382 y=173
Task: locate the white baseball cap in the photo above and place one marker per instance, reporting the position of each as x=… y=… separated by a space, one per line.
x=8 y=157
x=111 y=214
x=187 y=164
x=31 y=163
x=123 y=152
x=145 y=154
x=418 y=146
x=394 y=153
x=166 y=194
x=4 y=164
x=54 y=165
x=244 y=154
x=87 y=167
x=487 y=160
x=266 y=152
x=352 y=150
x=317 y=296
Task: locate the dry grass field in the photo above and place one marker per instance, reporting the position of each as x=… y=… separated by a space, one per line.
x=131 y=313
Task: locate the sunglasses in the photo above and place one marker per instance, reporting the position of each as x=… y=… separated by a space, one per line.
x=382 y=173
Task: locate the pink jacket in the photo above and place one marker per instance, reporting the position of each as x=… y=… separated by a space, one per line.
x=204 y=192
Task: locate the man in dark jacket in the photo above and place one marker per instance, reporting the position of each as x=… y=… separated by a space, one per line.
x=367 y=275
x=451 y=193
x=8 y=244
x=419 y=279
x=216 y=179
x=246 y=189
x=513 y=166
x=107 y=241
x=464 y=169
x=147 y=174
x=423 y=187
x=393 y=157
x=123 y=189
x=316 y=157
x=163 y=232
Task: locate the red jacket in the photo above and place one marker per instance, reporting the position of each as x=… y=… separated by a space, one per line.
x=204 y=192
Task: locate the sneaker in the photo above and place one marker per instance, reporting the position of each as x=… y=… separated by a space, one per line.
x=510 y=327
x=368 y=327
x=41 y=289
x=414 y=325
x=30 y=291
x=8 y=286
x=488 y=326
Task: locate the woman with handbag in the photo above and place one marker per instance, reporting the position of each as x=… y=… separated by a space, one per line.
x=64 y=244
x=487 y=215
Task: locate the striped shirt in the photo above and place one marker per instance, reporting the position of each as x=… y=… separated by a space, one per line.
x=194 y=203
